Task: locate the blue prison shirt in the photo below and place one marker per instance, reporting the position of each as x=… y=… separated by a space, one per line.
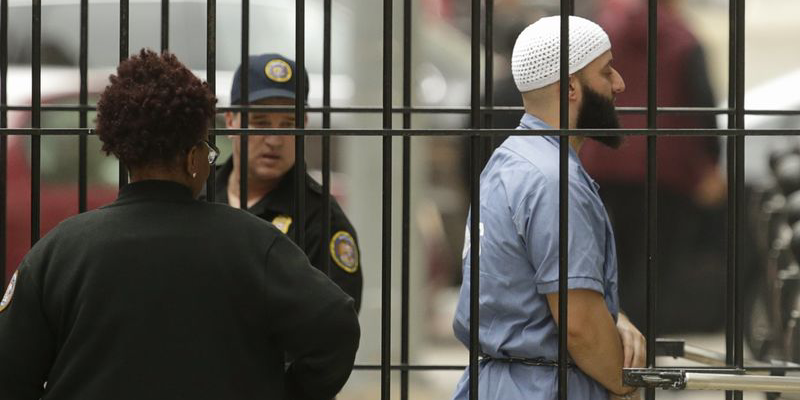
x=519 y=257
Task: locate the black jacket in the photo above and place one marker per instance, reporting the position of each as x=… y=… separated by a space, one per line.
x=160 y=296
x=276 y=207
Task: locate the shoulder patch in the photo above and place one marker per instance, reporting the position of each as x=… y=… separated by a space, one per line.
x=9 y=292
x=282 y=222
x=344 y=251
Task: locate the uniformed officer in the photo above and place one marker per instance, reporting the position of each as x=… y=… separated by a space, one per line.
x=519 y=254
x=161 y=296
x=270 y=163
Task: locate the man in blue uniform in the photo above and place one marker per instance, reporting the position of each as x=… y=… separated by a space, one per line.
x=519 y=253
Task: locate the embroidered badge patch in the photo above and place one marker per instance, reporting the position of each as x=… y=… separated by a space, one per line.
x=278 y=71
x=344 y=251
x=9 y=293
x=282 y=222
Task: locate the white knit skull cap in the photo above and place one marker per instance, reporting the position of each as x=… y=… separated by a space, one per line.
x=535 y=62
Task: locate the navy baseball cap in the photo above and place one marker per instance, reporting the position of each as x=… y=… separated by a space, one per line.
x=269 y=75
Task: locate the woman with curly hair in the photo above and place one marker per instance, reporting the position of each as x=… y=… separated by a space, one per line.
x=159 y=295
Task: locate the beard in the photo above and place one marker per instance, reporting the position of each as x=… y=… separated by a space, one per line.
x=598 y=112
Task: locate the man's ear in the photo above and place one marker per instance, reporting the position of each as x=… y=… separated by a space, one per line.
x=232 y=120
x=574 y=88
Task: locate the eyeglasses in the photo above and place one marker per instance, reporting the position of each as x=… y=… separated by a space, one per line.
x=213 y=151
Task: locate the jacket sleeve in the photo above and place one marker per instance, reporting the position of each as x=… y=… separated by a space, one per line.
x=343 y=255
x=314 y=321
x=26 y=341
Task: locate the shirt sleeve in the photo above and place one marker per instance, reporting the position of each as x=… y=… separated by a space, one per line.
x=537 y=220
x=26 y=342
x=343 y=255
x=314 y=321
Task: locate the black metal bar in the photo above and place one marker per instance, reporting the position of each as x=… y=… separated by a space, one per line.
x=245 y=100
x=651 y=188
x=405 y=289
x=3 y=138
x=445 y=132
x=730 y=291
x=326 y=124
x=716 y=370
x=299 y=205
x=211 y=78
x=488 y=76
x=563 y=205
x=123 y=54
x=164 y=25
x=83 y=115
x=428 y=110
x=475 y=204
x=386 y=239
x=36 y=103
x=739 y=190
x=406 y=367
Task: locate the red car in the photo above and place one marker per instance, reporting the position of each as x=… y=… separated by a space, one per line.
x=59 y=160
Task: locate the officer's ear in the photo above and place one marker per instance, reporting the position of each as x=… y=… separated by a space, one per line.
x=232 y=122
x=232 y=119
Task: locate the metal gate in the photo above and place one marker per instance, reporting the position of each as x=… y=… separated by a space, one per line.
x=729 y=376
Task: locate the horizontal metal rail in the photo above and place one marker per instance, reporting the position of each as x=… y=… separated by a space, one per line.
x=442 y=132
x=426 y=110
x=781 y=384
x=710 y=379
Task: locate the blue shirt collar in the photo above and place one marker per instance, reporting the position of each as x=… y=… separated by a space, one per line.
x=531 y=122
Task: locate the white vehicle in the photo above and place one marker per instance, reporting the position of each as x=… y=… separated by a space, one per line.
x=769 y=96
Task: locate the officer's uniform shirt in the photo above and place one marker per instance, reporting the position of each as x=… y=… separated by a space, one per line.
x=161 y=296
x=519 y=258
x=341 y=248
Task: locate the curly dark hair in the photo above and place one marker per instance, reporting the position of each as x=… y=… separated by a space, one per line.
x=154 y=110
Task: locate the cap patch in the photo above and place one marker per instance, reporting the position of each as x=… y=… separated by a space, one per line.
x=282 y=222
x=278 y=70
x=9 y=293
x=344 y=251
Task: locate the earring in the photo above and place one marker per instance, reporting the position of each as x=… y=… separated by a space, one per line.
x=194 y=175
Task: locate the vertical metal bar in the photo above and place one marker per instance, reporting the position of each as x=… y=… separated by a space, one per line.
x=475 y=157
x=123 y=54
x=730 y=291
x=488 y=143
x=488 y=76
x=83 y=100
x=406 y=212
x=563 y=205
x=299 y=204
x=245 y=100
x=36 y=104
x=164 y=25
x=3 y=138
x=651 y=188
x=326 y=123
x=738 y=189
x=211 y=78
x=386 y=284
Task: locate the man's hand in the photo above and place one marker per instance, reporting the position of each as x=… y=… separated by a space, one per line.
x=634 y=347
x=636 y=395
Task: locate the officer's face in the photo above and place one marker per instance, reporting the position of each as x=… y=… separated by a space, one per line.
x=269 y=157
